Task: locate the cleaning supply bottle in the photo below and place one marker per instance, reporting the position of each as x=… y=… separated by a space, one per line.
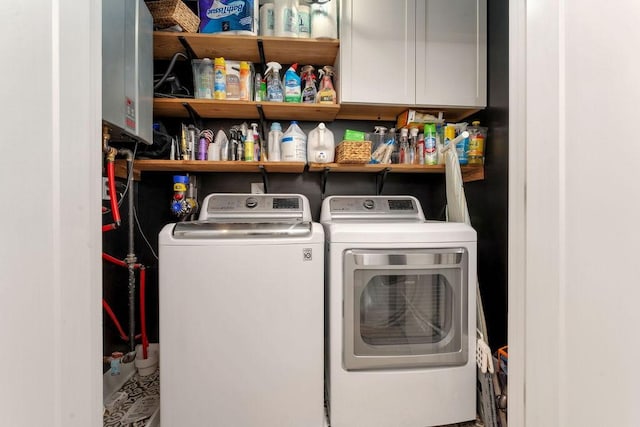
x=326 y=94
x=204 y=82
x=430 y=148
x=294 y=144
x=245 y=81
x=291 y=84
x=273 y=146
x=477 y=136
x=320 y=145
x=249 y=147
x=219 y=79
x=285 y=18
x=309 y=93
x=404 y=146
x=256 y=142
x=413 y=146
x=257 y=86
x=275 y=91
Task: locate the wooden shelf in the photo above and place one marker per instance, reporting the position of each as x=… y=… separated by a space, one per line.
x=391 y=112
x=204 y=166
x=213 y=108
x=469 y=172
x=245 y=48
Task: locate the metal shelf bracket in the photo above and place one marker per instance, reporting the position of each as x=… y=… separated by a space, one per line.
x=380 y=178
x=265 y=179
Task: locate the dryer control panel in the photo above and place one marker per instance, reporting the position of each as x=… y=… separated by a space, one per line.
x=381 y=208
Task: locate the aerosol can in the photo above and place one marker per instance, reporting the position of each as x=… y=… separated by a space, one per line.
x=326 y=94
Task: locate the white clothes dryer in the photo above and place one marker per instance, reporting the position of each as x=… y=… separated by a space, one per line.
x=241 y=315
x=401 y=314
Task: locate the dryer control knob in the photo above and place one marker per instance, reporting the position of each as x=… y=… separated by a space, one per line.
x=251 y=202
x=368 y=204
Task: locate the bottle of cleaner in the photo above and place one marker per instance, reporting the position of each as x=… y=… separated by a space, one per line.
x=294 y=144
x=430 y=147
x=256 y=142
x=219 y=79
x=273 y=146
x=326 y=94
x=285 y=18
x=309 y=93
x=404 y=146
x=245 y=81
x=291 y=84
x=304 y=21
x=257 y=86
x=275 y=91
x=248 y=147
x=320 y=145
x=413 y=146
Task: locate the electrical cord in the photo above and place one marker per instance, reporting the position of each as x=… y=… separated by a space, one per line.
x=135 y=216
x=164 y=77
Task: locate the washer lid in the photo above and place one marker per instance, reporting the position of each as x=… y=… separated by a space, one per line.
x=240 y=230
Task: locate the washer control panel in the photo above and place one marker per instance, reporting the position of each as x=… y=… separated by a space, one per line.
x=256 y=206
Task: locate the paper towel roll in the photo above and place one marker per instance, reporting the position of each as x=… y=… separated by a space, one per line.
x=324 y=24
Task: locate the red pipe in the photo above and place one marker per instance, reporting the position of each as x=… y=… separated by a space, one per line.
x=113 y=198
x=143 y=316
x=113 y=260
x=115 y=319
x=109 y=227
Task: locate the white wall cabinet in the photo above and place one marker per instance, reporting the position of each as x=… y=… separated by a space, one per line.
x=419 y=52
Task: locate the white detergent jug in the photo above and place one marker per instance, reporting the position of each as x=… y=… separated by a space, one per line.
x=320 y=145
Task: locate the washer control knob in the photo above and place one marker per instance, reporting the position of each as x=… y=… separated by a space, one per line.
x=251 y=202
x=368 y=204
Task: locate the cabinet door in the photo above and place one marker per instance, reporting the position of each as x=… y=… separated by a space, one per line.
x=451 y=53
x=377 y=52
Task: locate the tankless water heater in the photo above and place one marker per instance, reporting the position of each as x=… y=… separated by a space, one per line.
x=127 y=69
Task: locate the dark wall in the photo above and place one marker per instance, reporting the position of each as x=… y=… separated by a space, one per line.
x=488 y=199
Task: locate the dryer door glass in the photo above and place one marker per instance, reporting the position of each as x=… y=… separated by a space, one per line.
x=405 y=308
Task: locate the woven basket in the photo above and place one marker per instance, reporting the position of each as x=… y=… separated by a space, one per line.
x=167 y=13
x=353 y=152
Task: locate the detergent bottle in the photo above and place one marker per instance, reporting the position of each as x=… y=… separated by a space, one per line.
x=291 y=84
x=326 y=94
x=249 y=147
x=309 y=93
x=320 y=145
x=294 y=144
x=275 y=91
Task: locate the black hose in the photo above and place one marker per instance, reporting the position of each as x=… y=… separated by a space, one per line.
x=174 y=58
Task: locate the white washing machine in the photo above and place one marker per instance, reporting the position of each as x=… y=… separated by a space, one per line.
x=241 y=315
x=401 y=314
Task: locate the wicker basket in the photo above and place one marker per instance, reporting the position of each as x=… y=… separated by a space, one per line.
x=167 y=13
x=353 y=152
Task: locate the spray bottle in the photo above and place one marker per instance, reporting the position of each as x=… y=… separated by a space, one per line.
x=275 y=91
x=249 y=147
x=326 y=94
x=309 y=93
x=404 y=146
x=291 y=84
x=413 y=145
x=256 y=141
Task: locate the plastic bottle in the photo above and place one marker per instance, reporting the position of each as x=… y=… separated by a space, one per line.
x=291 y=83
x=326 y=94
x=273 y=146
x=420 y=150
x=285 y=18
x=413 y=146
x=304 y=21
x=245 y=81
x=248 y=147
x=430 y=148
x=324 y=20
x=321 y=145
x=204 y=81
x=275 y=91
x=404 y=146
x=477 y=138
x=378 y=138
x=256 y=142
x=294 y=144
x=309 y=93
x=219 y=79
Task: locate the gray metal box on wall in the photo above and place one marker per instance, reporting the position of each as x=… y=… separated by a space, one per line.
x=127 y=69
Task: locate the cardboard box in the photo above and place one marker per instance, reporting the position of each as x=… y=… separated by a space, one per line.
x=416 y=118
